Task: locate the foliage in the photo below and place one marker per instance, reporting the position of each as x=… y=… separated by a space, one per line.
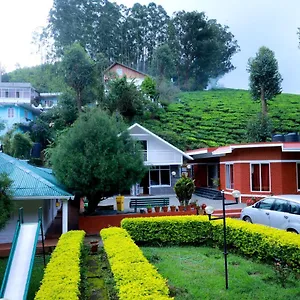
x=62 y=274
x=18 y=144
x=6 y=205
x=100 y=158
x=135 y=277
x=78 y=71
x=220 y=117
x=198 y=273
x=167 y=91
x=259 y=129
x=45 y=78
x=265 y=79
x=124 y=97
x=253 y=240
x=148 y=87
x=184 y=189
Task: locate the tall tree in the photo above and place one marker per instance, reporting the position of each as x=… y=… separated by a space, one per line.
x=6 y=205
x=265 y=79
x=102 y=159
x=78 y=70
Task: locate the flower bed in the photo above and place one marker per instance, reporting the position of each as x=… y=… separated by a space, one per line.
x=260 y=241
x=62 y=275
x=135 y=277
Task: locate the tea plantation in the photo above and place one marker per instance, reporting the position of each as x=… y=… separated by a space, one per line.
x=219 y=117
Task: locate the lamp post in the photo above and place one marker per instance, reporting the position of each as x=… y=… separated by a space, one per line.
x=209 y=210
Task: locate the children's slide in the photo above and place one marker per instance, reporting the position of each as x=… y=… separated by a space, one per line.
x=19 y=266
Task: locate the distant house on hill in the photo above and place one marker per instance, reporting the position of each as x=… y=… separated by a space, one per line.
x=49 y=100
x=18 y=104
x=118 y=70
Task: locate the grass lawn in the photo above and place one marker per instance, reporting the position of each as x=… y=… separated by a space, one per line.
x=198 y=273
x=36 y=276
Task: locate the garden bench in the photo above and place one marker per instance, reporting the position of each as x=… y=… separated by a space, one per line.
x=146 y=202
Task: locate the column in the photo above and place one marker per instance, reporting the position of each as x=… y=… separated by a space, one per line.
x=64 y=215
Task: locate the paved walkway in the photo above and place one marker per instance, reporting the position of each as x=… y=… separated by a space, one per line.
x=217 y=204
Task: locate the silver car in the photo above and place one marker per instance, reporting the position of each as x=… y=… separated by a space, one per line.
x=281 y=212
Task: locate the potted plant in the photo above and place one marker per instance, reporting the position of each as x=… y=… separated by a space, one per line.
x=149 y=209
x=193 y=204
x=173 y=208
x=203 y=209
x=184 y=189
x=250 y=202
x=164 y=208
x=157 y=209
x=94 y=246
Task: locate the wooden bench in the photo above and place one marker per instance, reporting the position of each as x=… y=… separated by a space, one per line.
x=146 y=202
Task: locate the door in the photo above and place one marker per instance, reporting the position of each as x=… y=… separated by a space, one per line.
x=145 y=184
x=212 y=175
x=261 y=213
x=279 y=214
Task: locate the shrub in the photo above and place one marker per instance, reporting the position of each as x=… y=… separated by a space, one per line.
x=62 y=275
x=261 y=242
x=135 y=277
x=184 y=189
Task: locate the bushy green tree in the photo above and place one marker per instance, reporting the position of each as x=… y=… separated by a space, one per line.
x=21 y=145
x=148 y=88
x=125 y=98
x=97 y=157
x=184 y=189
x=6 y=205
x=78 y=71
x=259 y=129
x=265 y=79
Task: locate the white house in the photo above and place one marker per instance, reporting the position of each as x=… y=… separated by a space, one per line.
x=164 y=160
x=32 y=188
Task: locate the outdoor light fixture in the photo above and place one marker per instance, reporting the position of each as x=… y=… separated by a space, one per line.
x=209 y=211
x=173 y=173
x=188 y=167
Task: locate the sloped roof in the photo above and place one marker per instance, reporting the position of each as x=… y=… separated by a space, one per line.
x=31 y=182
x=117 y=63
x=159 y=138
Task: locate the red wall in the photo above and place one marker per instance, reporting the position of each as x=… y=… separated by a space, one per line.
x=200 y=174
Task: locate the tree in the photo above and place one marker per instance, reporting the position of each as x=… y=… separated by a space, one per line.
x=78 y=70
x=259 y=128
x=265 y=79
x=124 y=98
x=148 y=87
x=99 y=157
x=184 y=189
x=6 y=205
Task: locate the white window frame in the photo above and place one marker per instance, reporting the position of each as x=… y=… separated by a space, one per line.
x=10 y=112
x=228 y=179
x=159 y=169
x=270 y=180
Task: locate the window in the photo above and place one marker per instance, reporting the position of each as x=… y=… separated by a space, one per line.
x=298 y=176
x=144 y=149
x=229 y=177
x=281 y=205
x=160 y=175
x=260 y=177
x=18 y=94
x=294 y=208
x=266 y=203
x=119 y=71
x=11 y=112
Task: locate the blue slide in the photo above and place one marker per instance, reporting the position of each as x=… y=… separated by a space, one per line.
x=20 y=262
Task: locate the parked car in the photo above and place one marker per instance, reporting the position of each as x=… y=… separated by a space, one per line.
x=281 y=212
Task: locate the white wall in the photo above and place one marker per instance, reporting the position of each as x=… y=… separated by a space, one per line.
x=158 y=153
x=30 y=215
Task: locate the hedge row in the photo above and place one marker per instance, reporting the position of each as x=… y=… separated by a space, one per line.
x=262 y=242
x=62 y=275
x=135 y=277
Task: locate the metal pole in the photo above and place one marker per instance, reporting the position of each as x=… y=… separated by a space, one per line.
x=225 y=241
x=42 y=231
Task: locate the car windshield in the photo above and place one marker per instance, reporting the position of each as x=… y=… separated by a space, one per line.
x=265 y=203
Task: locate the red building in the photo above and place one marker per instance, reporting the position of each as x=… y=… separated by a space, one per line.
x=256 y=170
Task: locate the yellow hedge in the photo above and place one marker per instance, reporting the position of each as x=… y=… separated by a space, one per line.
x=62 y=275
x=135 y=277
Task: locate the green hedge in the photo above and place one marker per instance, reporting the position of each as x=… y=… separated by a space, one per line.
x=62 y=275
x=262 y=242
x=135 y=277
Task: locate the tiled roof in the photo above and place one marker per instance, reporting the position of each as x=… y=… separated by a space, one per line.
x=29 y=181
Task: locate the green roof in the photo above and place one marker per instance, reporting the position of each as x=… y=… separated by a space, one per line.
x=30 y=182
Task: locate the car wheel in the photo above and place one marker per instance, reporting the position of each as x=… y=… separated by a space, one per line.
x=247 y=219
x=292 y=230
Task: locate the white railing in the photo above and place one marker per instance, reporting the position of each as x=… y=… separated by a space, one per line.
x=157 y=157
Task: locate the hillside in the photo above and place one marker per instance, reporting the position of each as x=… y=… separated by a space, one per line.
x=219 y=117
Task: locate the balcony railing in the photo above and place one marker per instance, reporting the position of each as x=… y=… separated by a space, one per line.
x=156 y=157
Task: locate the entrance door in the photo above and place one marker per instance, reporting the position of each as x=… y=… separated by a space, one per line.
x=212 y=175
x=145 y=184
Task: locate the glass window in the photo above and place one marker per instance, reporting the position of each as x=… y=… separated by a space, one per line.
x=10 y=112
x=266 y=203
x=229 y=177
x=281 y=205
x=160 y=175
x=119 y=71
x=294 y=208
x=260 y=177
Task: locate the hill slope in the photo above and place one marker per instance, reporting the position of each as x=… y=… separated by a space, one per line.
x=220 y=117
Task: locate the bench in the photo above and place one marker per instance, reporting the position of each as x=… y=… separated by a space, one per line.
x=146 y=202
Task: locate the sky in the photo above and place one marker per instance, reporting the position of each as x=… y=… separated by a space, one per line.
x=255 y=23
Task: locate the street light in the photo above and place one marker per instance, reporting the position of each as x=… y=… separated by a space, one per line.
x=209 y=211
